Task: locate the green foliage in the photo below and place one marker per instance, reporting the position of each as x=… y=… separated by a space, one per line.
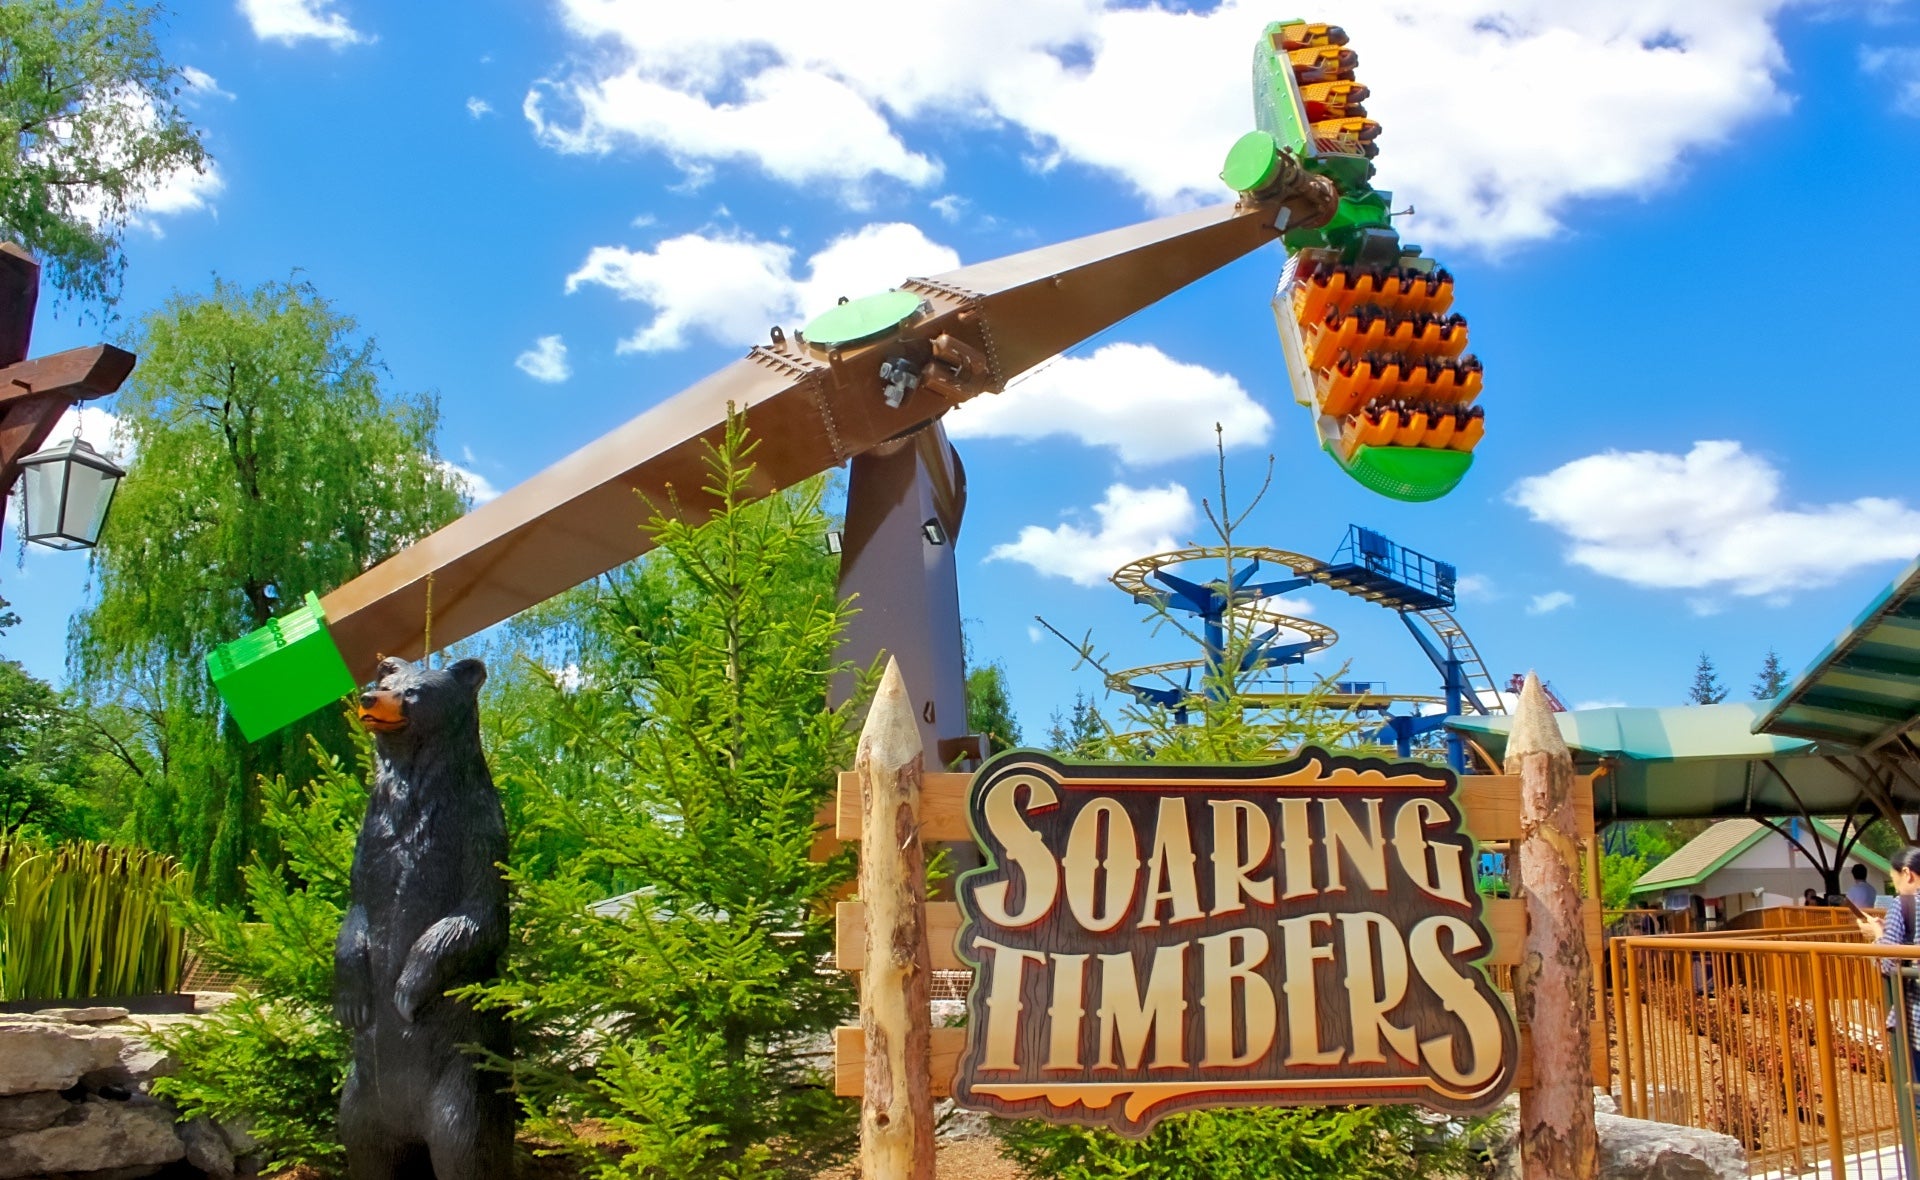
x=1078 y=734
x=82 y=921
x=1618 y=872
x=270 y=463
x=45 y=762
x=1706 y=688
x=1772 y=680
x=989 y=705
x=93 y=127
x=274 y=1057
x=695 y=749
x=1299 y=1143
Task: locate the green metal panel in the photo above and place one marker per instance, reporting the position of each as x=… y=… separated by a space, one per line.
x=1864 y=688
x=1251 y=162
x=280 y=672
x=1412 y=474
x=862 y=319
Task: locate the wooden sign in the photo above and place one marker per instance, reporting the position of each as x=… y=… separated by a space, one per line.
x=1156 y=938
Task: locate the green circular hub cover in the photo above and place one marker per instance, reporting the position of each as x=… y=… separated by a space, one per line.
x=862 y=319
x=1251 y=162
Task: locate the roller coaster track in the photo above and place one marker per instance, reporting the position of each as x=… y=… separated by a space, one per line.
x=1480 y=693
x=1442 y=636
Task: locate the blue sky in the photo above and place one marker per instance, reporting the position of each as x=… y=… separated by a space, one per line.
x=1677 y=229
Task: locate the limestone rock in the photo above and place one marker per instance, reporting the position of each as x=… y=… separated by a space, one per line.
x=1636 y=1149
x=98 y=1015
x=41 y=1054
x=104 y=1135
x=30 y=1112
x=207 y=1148
x=138 y=1065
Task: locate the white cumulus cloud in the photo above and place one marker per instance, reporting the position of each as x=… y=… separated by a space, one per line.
x=1133 y=398
x=730 y=287
x=200 y=85
x=1498 y=114
x=1128 y=523
x=478 y=487
x=1899 y=65
x=545 y=361
x=288 y=21
x=1546 y=604
x=99 y=429
x=479 y=107
x=1713 y=519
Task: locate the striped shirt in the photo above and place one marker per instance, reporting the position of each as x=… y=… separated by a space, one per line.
x=1893 y=932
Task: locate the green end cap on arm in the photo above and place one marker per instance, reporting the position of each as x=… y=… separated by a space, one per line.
x=281 y=672
x=862 y=319
x=1252 y=162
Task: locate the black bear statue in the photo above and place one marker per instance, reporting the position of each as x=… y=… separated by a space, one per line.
x=428 y=912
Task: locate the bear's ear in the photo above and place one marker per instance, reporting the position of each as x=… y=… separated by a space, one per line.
x=470 y=673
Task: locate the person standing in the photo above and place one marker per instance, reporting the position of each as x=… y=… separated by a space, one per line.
x=1860 y=893
x=1901 y=927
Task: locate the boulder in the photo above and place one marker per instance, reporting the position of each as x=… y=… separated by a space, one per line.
x=138 y=1065
x=40 y=1054
x=1636 y=1149
x=30 y=1112
x=207 y=1148
x=96 y=1136
x=101 y=1014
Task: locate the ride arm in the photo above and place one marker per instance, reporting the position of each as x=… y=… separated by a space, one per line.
x=808 y=407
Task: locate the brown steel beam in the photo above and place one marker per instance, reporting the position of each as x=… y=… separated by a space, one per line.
x=810 y=408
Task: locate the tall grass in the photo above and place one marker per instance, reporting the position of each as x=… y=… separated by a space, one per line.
x=81 y=920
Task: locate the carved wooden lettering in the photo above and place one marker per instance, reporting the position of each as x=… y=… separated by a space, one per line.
x=1156 y=938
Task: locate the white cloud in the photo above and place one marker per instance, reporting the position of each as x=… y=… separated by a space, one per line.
x=478 y=487
x=545 y=361
x=1607 y=703
x=1475 y=588
x=200 y=84
x=1592 y=99
x=949 y=207
x=99 y=428
x=1901 y=67
x=479 y=107
x=1133 y=398
x=288 y=21
x=1132 y=522
x=1546 y=604
x=180 y=190
x=730 y=287
x=1710 y=520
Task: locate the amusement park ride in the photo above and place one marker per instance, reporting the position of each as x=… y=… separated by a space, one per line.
x=1370 y=345
x=1367 y=566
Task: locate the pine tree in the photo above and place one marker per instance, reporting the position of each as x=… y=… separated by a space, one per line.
x=1079 y=734
x=1707 y=689
x=1772 y=680
x=668 y=982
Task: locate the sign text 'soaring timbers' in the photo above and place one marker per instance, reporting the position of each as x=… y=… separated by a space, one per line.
x=1157 y=938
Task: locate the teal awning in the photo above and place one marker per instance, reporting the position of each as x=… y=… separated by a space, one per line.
x=1697 y=762
x=1864 y=690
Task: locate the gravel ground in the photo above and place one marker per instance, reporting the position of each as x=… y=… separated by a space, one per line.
x=963 y=1159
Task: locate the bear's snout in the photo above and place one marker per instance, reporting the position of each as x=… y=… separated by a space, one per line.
x=382 y=711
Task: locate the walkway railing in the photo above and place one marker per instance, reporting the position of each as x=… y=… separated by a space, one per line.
x=1779 y=1039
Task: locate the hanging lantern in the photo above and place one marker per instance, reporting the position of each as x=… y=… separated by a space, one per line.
x=68 y=488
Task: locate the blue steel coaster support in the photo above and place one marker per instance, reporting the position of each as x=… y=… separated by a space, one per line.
x=1453 y=676
x=1211 y=603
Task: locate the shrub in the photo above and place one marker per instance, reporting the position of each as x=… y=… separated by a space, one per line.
x=1298 y=1143
x=273 y=1059
x=85 y=920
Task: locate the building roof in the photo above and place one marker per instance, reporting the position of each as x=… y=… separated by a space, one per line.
x=1864 y=689
x=1715 y=848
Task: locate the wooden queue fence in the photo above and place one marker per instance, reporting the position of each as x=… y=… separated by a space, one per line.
x=1777 y=1037
x=1490 y=803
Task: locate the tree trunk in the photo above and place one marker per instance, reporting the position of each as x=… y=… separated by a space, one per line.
x=1553 y=985
x=896 y=1111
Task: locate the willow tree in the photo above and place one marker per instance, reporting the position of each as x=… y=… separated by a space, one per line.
x=93 y=129
x=268 y=462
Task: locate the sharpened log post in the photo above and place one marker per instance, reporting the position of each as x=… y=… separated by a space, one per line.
x=896 y=1110
x=1553 y=984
